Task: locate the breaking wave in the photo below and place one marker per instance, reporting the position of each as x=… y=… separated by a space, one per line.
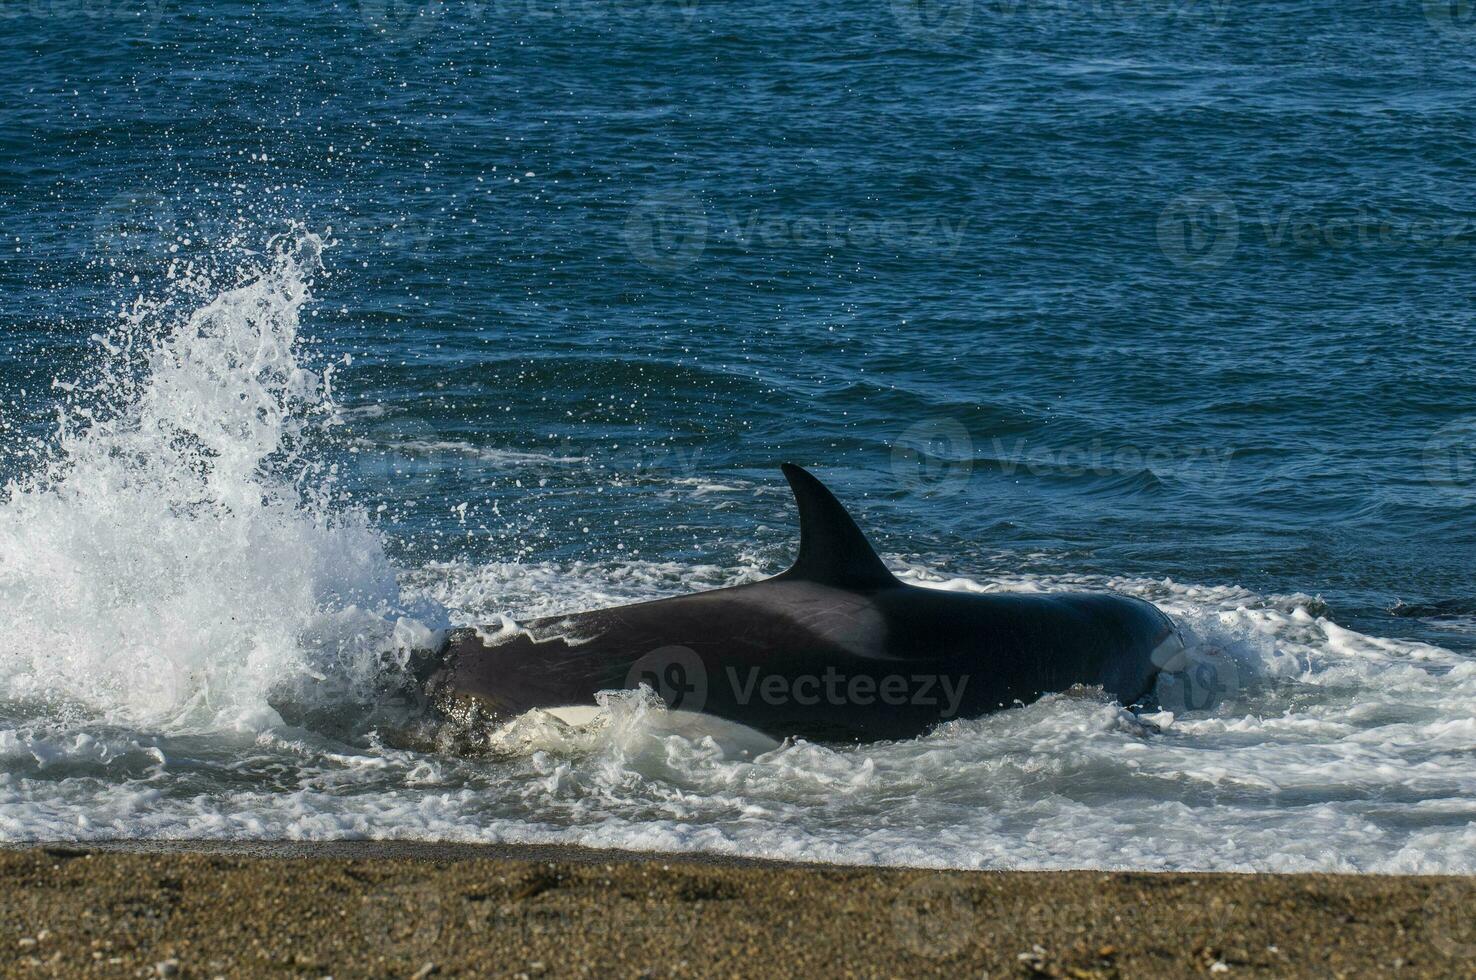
x=180 y=551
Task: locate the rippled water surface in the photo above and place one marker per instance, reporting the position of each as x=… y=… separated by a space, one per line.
x=328 y=326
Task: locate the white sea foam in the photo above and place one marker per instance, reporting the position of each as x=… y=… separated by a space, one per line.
x=176 y=557
x=1323 y=749
x=177 y=561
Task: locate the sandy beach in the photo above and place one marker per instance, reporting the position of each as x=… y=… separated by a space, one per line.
x=419 y=910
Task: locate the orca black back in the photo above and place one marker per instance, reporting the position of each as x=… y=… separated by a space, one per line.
x=834 y=648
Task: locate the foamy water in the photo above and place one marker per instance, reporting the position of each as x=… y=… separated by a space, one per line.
x=179 y=553
x=185 y=560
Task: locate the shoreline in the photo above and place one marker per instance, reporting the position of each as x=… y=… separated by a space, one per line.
x=440 y=851
x=407 y=850
x=392 y=908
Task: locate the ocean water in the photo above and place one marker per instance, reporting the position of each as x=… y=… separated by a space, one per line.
x=328 y=326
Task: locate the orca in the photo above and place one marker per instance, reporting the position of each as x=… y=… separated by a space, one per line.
x=835 y=649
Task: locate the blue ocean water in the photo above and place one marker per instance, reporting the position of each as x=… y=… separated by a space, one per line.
x=525 y=302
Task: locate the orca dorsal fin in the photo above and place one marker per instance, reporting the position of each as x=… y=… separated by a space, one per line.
x=832 y=550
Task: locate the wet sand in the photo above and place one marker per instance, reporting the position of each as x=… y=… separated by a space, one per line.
x=419 y=910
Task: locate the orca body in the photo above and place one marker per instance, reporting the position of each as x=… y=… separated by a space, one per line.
x=834 y=649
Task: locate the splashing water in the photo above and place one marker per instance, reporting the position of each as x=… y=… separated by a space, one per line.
x=176 y=555
x=182 y=556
